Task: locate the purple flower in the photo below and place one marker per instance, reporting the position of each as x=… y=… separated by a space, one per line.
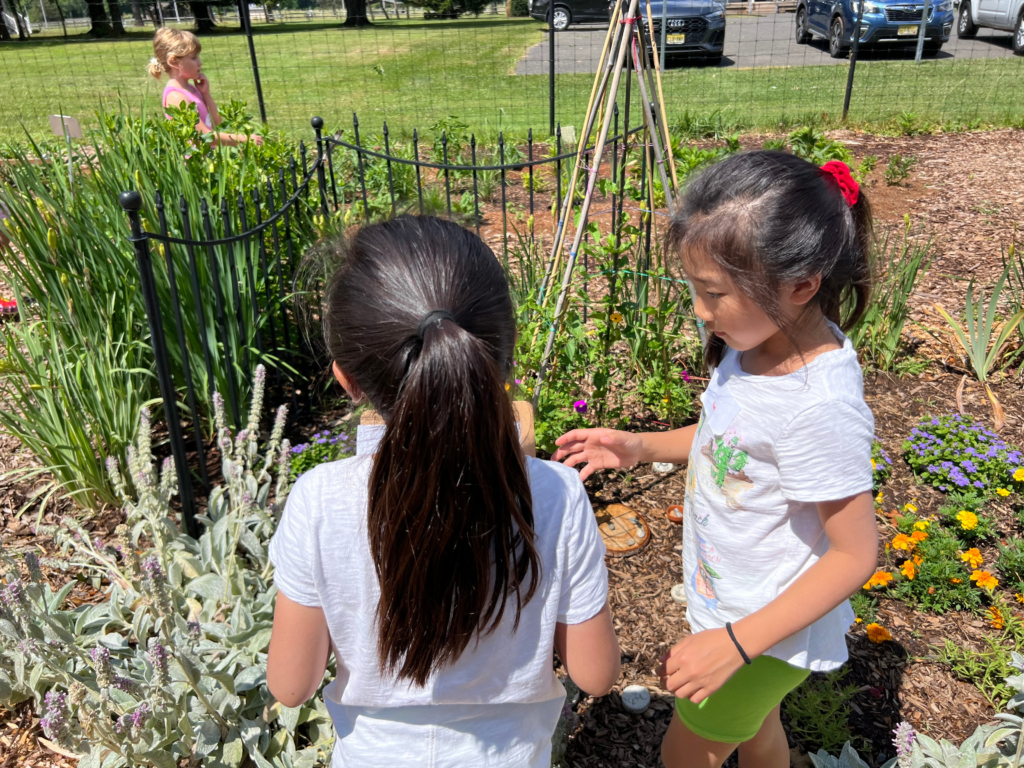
x=321 y=441
x=904 y=738
x=519 y=382
x=151 y=567
x=195 y=631
x=580 y=406
x=686 y=376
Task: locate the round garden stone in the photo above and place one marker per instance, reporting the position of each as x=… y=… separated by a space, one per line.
x=636 y=698
x=679 y=594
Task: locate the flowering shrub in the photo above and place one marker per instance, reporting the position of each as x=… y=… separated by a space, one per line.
x=173 y=665
x=322 y=447
x=932 y=572
x=953 y=452
x=881 y=465
x=963 y=516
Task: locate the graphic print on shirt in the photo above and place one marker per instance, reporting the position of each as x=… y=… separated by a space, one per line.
x=725 y=463
x=703 y=578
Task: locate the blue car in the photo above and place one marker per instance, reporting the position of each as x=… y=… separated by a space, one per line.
x=885 y=24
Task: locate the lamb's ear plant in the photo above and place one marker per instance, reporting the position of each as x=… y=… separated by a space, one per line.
x=173 y=664
x=992 y=745
x=978 y=337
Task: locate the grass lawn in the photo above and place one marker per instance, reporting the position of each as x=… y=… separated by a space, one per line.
x=413 y=73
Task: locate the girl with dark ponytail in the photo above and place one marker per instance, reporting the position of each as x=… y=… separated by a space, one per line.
x=441 y=566
x=779 y=526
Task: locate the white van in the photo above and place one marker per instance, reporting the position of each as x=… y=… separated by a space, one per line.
x=996 y=14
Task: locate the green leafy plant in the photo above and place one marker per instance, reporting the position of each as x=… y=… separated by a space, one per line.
x=322 y=447
x=962 y=513
x=988 y=667
x=898 y=264
x=817 y=148
x=898 y=168
x=173 y=665
x=1011 y=565
x=930 y=572
x=881 y=464
x=865 y=167
x=978 y=338
x=864 y=606
x=819 y=711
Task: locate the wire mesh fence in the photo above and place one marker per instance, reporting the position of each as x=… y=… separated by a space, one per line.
x=754 y=65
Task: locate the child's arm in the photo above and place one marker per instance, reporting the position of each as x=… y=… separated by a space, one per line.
x=299 y=647
x=612 y=449
x=590 y=652
x=701 y=664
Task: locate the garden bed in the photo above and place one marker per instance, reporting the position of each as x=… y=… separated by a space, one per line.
x=963 y=192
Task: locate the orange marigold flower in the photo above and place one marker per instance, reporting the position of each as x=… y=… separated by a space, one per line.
x=918 y=536
x=909 y=570
x=955 y=581
x=995 y=617
x=918 y=559
x=985 y=580
x=972 y=557
x=902 y=541
x=880 y=579
x=878 y=634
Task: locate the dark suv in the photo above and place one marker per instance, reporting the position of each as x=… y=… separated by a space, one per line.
x=695 y=28
x=886 y=24
x=570 y=11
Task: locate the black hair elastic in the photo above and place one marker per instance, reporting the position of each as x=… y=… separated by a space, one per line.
x=436 y=316
x=728 y=628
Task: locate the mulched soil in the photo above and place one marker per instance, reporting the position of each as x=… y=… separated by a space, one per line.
x=964 y=193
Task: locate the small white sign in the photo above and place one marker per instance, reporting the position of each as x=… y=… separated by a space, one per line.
x=60 y=123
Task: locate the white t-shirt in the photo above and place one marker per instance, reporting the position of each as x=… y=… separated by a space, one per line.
x=499 y=703
x=767 y=449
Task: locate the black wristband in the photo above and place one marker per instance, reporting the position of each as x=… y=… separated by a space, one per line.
x=728 y=628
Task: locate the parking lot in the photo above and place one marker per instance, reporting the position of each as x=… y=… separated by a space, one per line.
x=750 y=41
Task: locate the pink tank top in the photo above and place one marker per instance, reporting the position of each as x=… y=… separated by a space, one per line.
x=191 y=95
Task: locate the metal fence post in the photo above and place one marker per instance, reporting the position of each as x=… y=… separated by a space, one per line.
x=131 y=202
x=243 y=15
x=922 y=31
x=551 y=68
x=853 y=59
x=321 y=177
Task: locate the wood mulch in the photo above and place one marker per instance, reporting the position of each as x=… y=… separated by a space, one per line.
x=964 y=193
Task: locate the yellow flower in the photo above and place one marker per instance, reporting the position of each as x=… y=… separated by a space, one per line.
x=968 y=520
x=908 y=507
x=972 y=557
x=1002 y=492
x=902 y=541
x=878 y=499
x=1020 y=598
x=909 y=570
x=985 y=580
x=1018 y=475
x=859 y=620
x=878 y=634
x=616 y=317
x=880 y=579
x=873 y=465
x=995 y=617
x=921 y=525
x=508 y=387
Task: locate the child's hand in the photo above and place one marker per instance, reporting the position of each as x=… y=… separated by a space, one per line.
x=202 y=85
x=600 y=448
x=699 y=665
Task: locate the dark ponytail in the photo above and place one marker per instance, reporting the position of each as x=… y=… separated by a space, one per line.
x=420 y=316
x=770 y=218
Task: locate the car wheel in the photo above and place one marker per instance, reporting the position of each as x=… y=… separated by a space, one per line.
x=1018 y=37
x=836 y=49
x=562 y=18
x=965 y=26
x=803 y=37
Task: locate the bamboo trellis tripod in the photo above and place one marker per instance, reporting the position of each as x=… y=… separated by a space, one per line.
x=626 y=36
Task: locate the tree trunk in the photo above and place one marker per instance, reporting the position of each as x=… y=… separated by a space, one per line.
x=268 y=15
x=137 y=15
x=201 y=13
x=5 y=33
x=97 y=10
x=19 y=20
x=355 y=14
x=116 y=25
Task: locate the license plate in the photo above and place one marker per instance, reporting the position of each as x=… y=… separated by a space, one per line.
x=675 y=39
x=910 y=29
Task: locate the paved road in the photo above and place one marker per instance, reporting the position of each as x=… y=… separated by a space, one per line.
x=750 y=41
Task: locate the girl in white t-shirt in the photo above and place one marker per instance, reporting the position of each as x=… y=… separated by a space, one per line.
x=779 y=527
x=440 y=566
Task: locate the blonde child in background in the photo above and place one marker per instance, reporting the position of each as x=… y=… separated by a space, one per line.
x=176 y=53
x=779 y=527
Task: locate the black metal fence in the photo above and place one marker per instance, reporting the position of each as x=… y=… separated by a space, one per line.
x=510 y=74
x=241 y=270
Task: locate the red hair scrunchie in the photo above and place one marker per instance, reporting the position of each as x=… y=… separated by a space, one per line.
x=840 y=171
